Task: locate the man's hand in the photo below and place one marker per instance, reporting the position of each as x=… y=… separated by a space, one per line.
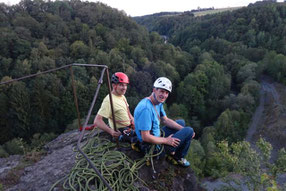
x=194 y=134
x=173 y=141
x=115 y=134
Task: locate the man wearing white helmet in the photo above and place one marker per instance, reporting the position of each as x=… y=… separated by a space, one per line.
x=150 y=112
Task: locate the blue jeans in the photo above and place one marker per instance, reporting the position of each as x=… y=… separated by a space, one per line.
x=185 y=135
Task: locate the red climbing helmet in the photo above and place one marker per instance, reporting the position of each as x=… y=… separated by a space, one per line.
x=119 y=77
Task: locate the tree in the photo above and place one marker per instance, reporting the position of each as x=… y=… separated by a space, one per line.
x=281 y=161
x=79 y=50
x=5 y=131
x=21 y=49
x=197 y=157
x=116 y=61
x=246 y=102
x=137 y=55
x=21 y=69
x=178 y=111
x=247 y=72
x=30 y=23
x=251 y=87
x=184 y=63
x=101 y=58
x=231 y=125
x=220 y=85
x=191 y=96
x=140 y=84
x=9 y=37
x=41 y=100
x=5 y=64
x=20 y=110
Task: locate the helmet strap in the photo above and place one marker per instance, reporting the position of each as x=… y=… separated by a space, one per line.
x=114 y=90
x=156 y=100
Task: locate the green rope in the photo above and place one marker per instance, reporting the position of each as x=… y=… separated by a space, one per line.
x=118 y=170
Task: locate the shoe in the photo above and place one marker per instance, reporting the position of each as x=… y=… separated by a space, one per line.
x=172 y=160
x=135 y=147
x=183 y=162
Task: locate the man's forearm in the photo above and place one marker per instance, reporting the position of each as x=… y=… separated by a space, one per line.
x=100 y=124
x=172 y=124
x=103 y=126
x=154 y=140
x=172 y=141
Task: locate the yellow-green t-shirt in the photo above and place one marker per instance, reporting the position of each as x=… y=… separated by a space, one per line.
x=120 y=111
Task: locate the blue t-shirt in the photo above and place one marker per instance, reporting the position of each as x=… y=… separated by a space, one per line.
x=146 y=118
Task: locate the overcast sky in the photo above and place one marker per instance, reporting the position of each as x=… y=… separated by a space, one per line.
x=145 y=7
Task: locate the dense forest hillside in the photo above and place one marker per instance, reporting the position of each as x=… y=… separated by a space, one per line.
x=231 y=50
x=37 y=36
x=214 y=61
x=245 y=43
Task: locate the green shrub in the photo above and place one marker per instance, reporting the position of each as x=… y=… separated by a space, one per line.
x=15 y=146
x=3 y=153
x=221 y=162
x=40 y=140
x=265 y=149
x=74 y=125
x=281 y=161
x=196 y=156
x=231 y=125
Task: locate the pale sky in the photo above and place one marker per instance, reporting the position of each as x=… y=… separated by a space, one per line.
x=146 y=7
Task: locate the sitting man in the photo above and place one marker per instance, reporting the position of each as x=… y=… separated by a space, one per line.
x=123 y=117
x=150 y=112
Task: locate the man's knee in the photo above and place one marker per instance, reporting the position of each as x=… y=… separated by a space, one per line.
x=181 y=122
x=188 y=131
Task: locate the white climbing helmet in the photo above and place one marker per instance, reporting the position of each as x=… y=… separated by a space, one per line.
x=163 y=83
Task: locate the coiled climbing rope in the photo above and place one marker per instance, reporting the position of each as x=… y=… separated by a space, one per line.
x=118 y=170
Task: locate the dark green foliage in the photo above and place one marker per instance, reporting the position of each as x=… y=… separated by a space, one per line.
x=46 y=98
x=20 y=110
x=141 y=84
x=40 y=140
x=232 y=125
x=197 y=157
x=165 y=23
x=253 y=26
x=276 y=66
x=3 y=153
x=281 y=161
x=5 y=64
x=5 y=133
x=15 y=146
x=230 y=51
x=38 y=36
x=204 y=88
x=178 y=111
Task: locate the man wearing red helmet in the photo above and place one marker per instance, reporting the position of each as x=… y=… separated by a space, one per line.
x=123 y=118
